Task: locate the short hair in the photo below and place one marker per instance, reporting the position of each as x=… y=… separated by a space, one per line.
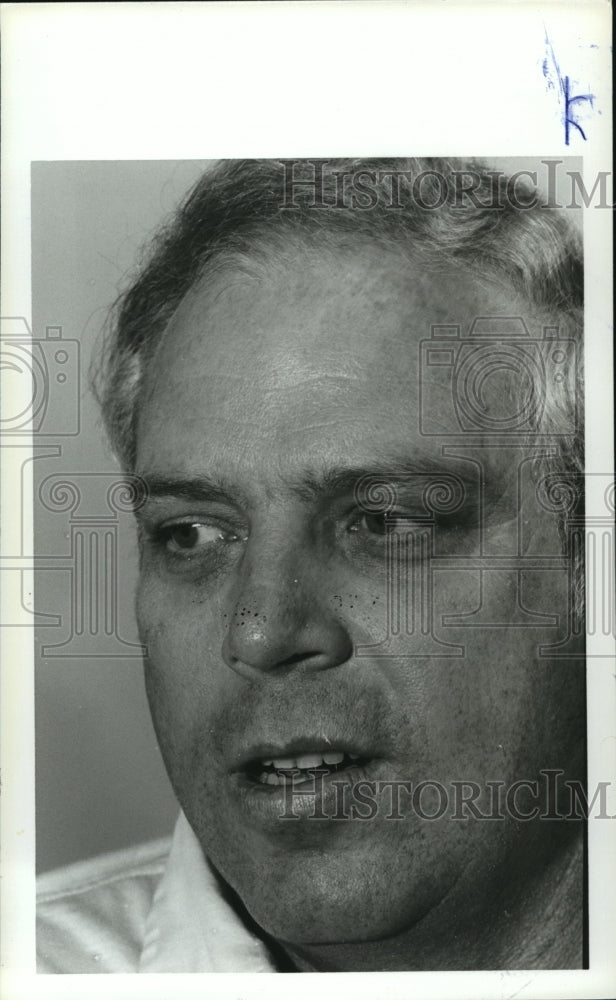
x=241 y=206
x=239 y=209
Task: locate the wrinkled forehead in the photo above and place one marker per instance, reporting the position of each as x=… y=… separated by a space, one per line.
x=319 y=353
x=323 y=308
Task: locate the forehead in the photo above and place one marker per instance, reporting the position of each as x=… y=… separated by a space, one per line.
x=292 y=364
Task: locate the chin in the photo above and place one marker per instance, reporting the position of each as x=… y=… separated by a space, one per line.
x=332 y=900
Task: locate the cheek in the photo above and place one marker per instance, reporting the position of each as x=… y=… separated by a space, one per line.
x=500 y=709
x=183 y=650
x=177 y=624
x=505 y=714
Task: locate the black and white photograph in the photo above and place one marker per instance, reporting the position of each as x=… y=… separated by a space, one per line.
x=310 y=547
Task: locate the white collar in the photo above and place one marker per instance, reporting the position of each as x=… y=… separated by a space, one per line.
x=190 y=926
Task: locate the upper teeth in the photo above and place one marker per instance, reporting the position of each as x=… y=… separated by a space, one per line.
x=307 y=760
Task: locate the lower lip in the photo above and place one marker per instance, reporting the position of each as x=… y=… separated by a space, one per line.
x=281 y=804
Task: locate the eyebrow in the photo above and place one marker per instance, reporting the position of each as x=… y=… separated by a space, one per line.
x=336 y=481
x=309 y=485
x=201 y=487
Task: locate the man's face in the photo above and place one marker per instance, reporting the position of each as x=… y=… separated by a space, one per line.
x=266 y=609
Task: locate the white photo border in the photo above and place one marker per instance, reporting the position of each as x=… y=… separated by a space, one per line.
x=209 y=80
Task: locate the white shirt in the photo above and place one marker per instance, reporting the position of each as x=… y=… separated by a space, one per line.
x=156 y=907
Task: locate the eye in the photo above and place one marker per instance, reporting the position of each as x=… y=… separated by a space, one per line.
x=185 y=537
x=371 y=524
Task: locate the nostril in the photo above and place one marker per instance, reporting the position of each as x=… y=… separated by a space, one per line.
x=281 y=632
x=296 y=658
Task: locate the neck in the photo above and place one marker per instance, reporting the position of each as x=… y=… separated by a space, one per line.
x=536 y=922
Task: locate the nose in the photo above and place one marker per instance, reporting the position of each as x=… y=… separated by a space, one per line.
x=278 y=617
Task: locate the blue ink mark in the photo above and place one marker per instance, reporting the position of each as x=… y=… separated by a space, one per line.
x=556 y=81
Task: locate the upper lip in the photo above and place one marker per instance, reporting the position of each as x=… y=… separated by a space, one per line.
x=298 y=746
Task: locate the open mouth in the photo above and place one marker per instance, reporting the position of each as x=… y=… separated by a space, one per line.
x=302 y=767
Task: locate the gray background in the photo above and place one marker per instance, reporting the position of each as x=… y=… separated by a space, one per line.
x=100 y=782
